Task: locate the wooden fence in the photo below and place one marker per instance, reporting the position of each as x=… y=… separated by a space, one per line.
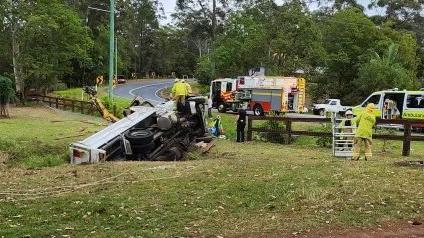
x=288 y=131
x=83 y=107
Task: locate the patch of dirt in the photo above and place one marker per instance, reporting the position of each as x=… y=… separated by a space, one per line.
x=406 y=229
x=400 y=230
x=3 y=158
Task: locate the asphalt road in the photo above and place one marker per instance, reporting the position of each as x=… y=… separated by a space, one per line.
x=149 y=89
x=146 y=89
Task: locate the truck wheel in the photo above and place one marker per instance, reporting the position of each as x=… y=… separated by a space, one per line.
x=258 y=110
x=322 y=112
x=175 y=154
x=139 y=136
x=222 y=108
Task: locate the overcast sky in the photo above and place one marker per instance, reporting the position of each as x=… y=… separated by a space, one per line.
x=169 y=7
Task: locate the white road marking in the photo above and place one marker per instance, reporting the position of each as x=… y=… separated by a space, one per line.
x=131 y=92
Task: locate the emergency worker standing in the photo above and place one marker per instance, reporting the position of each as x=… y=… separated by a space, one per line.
x=188 y=87
x=363 y=138
x=179 y=92
x=241 y=124
x=210 y=107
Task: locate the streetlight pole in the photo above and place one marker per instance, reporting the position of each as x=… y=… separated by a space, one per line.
x=111 y=45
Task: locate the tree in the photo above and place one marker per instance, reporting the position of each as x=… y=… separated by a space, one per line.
x=45 y=38
x=405 y=15
x=281 y=38
x=137 y=25
x=383 y=72
x=203 y=14
x=13 y=14
x=6 y=95
x=349 y=39
x=202 y=21
x=400 y=9
x=52 y=37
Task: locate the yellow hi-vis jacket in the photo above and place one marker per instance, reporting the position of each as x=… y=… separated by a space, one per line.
x=188 y=88
x=179 y=89
x=365 y=122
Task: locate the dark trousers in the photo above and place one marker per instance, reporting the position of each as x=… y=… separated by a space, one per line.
x=240 y=131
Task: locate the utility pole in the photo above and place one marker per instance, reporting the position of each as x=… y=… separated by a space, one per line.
x=111 y=45
x=116 y=57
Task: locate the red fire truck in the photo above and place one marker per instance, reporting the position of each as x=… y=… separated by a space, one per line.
x=261 y=94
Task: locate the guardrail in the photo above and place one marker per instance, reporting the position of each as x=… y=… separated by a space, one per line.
x=288 y=131
x=84 y=107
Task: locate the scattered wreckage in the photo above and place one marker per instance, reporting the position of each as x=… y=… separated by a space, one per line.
x=147 y=133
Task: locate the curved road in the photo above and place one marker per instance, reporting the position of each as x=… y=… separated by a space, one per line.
x=146 y=89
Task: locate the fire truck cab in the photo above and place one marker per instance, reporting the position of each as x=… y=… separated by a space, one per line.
x=259 y=93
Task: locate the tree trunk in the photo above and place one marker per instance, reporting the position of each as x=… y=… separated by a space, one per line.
x=4 y=112
x=15 y=59
x=198 y=43
x=213 y=20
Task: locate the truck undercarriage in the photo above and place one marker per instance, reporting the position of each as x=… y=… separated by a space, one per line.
x=147 y=133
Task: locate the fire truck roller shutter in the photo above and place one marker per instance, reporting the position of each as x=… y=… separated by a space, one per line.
x=263 y=97
x=276 y=100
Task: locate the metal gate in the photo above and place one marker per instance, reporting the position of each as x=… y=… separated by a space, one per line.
x=343 y=136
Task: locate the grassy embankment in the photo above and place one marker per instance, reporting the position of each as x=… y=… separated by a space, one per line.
x=237 y=190
x=39 y=137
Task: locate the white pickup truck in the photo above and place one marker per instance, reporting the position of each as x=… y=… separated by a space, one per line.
x=330 y=105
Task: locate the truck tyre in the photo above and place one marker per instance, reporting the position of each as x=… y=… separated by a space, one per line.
x=322 y=112
x=175 y=154
x=222 y=108
x=258 y=110
x=139 y=136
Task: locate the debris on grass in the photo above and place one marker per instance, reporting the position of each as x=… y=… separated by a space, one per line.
x=410 y=163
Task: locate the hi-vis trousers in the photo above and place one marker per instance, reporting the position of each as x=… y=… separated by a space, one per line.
x=360 y=143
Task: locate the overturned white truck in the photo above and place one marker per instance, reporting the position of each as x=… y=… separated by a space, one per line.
x=148 y=133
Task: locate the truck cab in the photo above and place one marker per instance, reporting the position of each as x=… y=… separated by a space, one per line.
x=329 y=105
x=221 y=92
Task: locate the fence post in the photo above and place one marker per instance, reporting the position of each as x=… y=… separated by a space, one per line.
x=82 y=107
x=73 y=105
x=50 y=102
x=57 y=102
x=114 y=109
x=288 y=131
x=249 y=128
x=406 y=151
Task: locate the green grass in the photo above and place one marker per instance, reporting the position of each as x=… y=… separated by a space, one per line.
x=237 y=190
x=36 y=137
